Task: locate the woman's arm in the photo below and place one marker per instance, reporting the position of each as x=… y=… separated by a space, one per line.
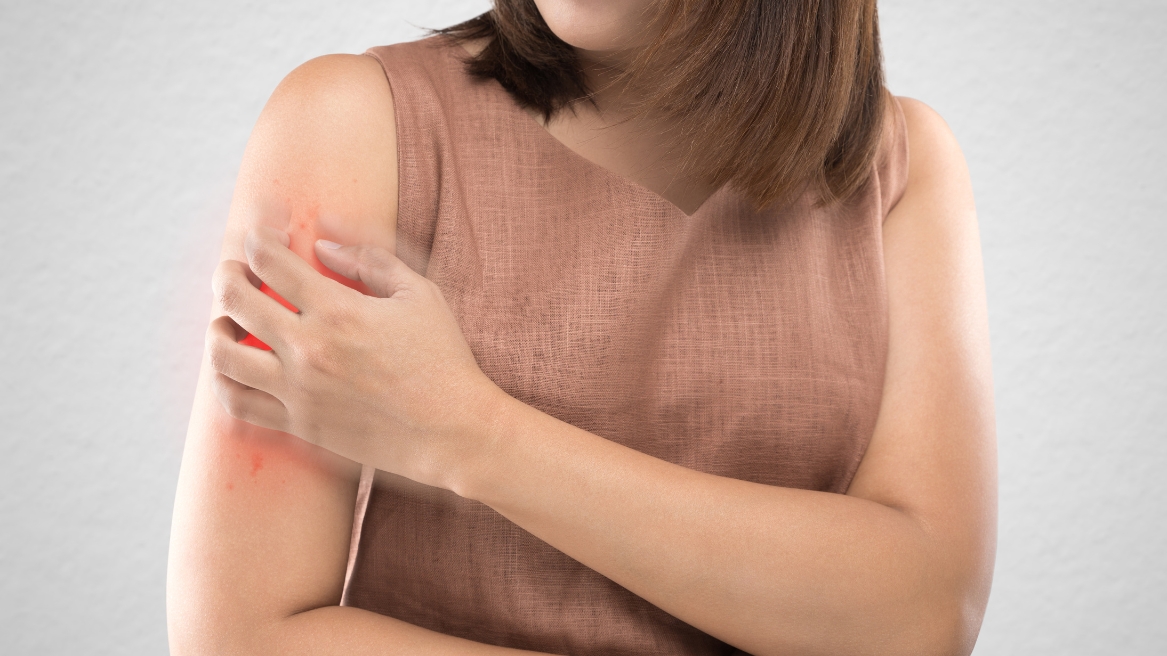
x=262 y=520
x=900 y=565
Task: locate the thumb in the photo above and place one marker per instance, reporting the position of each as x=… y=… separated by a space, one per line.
x=381 y=271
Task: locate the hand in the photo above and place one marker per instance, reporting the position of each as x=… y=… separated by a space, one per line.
x=386 y=380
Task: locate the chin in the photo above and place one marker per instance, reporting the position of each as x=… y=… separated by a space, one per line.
x=598 y=25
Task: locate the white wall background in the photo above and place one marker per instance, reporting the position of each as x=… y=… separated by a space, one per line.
x=121 y=127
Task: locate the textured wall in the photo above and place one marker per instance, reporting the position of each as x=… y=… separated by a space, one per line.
x=122 y=123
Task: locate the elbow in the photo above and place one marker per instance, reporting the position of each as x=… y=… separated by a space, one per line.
x=937 y=613
x=946 y=627
x=203 y=629
x=943 y=605
x=202 y=638
x=208 y=639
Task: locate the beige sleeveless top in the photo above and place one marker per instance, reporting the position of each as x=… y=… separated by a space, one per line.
x=741 y=343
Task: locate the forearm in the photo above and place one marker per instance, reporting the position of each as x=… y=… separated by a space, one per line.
x=258 y=550
x=351 y=631
x=339 y=630
x=767 y=569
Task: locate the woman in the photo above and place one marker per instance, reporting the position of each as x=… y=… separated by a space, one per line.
x=699 y=361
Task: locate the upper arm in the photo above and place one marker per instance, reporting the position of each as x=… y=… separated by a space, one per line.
x=262 y=519
x=933 y=453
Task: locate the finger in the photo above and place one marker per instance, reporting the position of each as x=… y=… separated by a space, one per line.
x=258 y=313
x=284 y=271
x=381 y=271
x=251 y=366
x=251 y=405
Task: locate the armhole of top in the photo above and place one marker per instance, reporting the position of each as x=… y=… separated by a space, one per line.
x=416 y=126
x=893 y=160
x=420 y=81
x=394 y=96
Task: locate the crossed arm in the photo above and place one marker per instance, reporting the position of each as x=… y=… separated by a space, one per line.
x=901 y=564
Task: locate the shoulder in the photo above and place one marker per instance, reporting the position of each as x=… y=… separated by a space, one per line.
x=922 y=119
x=324 y=152
x=936 y=164
x=919 y=161
x=916 y=142
x=331 y=96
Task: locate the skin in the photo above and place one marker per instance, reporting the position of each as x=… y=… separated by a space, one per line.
x=901 y=564
x=598 y=28
x=606 y=36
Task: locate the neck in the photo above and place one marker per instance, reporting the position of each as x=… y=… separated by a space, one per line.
x=611 y=134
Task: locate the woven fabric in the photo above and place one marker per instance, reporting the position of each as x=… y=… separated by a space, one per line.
x=740 y=343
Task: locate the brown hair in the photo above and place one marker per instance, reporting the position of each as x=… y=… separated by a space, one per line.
x=774 y=94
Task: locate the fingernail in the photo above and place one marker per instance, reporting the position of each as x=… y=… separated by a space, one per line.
x=331 y=245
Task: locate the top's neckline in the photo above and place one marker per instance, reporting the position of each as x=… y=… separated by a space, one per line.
x=455 y=49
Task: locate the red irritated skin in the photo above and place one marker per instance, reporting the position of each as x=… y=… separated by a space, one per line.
x=262 y=519
x=254 y=445
x=303 y=236
x=250 y=447
x=252 y=340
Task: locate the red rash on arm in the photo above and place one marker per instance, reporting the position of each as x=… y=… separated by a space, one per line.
x=303 y=235
x=264 y=456
x=257 y=559
x=257 y=446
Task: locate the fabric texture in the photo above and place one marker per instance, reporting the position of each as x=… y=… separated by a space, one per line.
x=742 y=343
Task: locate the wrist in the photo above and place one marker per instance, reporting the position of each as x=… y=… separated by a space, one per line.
x=487 y=420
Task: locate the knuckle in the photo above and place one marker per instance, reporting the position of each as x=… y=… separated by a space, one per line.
x=229 y=297
x=252 y=243
x=232 y=405
x=216 y=353
x=372 y=256
x=321 y=359
x=315 y=355
x=260 y=258
x=306 y=352
x=226 y=286
x=334 y=319
x=228 y=398
x=218 y=278
x=256 y=251
x=239 y=409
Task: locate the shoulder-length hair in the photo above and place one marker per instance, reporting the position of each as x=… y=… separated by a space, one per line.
x=774 y=95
